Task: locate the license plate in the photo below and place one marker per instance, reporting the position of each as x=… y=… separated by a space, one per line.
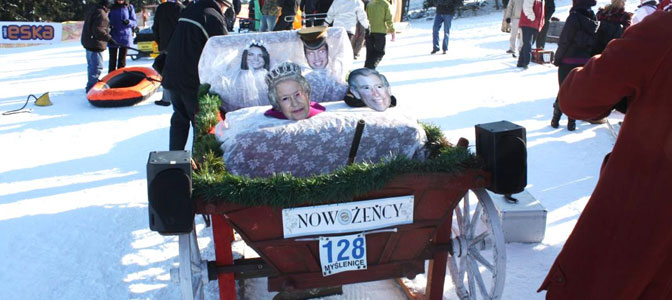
x=342 y=253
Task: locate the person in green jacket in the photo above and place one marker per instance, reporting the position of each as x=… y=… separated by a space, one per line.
x=380 y=20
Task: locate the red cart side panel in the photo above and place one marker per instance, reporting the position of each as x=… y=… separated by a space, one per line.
x=389 y=254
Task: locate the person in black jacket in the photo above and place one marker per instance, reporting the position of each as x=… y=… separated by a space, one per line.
x=95 y=36
x=197 y=23
x=288 y=9
x=577 y=40
x=165 y=21
x=549 y=9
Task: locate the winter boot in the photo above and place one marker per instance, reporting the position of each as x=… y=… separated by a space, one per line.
x=555 y=121
x=571 y=124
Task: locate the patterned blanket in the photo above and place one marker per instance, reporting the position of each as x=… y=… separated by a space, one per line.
x=258 y=146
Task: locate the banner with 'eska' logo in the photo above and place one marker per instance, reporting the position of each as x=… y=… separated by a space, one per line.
x=30 y=32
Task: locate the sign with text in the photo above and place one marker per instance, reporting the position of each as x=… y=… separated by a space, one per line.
x=342 y=253
x=30 y=32
x=347 y=217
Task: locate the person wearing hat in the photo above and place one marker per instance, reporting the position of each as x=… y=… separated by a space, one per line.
x=198 y=22
x=289 y=93
x=315 y=46
x=325 y=86
x=95 y=36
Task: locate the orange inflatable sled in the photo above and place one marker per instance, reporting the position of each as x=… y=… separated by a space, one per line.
x=124 y=87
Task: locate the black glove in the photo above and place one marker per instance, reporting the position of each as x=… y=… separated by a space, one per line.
x=112 y=41
x=508 y=20
x=126 y=22
x=367 y=32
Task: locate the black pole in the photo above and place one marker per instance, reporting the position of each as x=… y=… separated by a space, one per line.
x=355 y=141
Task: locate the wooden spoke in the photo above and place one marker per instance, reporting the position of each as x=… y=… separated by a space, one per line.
x=480 y=273
x=477 y=256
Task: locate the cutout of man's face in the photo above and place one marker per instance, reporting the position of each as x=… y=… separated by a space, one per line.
x=255 y=58
x=317 y=58
x=372 y=90
x=293 y=101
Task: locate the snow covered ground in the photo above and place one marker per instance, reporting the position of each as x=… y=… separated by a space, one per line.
x=73 y=204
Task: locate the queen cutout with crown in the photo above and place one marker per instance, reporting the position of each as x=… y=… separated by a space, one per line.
x=289 y=93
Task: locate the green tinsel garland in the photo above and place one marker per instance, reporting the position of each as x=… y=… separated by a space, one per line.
x=213 y=184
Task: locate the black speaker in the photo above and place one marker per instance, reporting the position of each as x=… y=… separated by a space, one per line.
x=171 y=210
x=502 y=145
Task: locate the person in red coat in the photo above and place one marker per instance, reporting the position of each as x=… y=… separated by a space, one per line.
x=621 y=246
x=531 y=22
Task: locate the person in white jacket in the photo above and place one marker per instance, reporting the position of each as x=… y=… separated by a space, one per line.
x=646 y=8
x=512 y=17
x=346 y=14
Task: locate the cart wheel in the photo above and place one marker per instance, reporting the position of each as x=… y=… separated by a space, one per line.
x=478 y=249
x=192 y=273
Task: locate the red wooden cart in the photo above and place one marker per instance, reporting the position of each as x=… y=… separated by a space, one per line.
x=452 y=230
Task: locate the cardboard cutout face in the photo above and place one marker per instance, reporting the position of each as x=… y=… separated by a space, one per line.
x=255 y=58
x=318 y=58
x=372 y=90
x=293 y=101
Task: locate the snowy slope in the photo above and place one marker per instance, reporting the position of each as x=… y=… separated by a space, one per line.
x=73 y=207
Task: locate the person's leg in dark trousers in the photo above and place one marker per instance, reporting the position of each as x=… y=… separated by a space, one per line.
x=375 y=49
x=526 y=50
x=358 y=40
x=184 y=112
x=563 y=71
x=121 y=60
x=113 y=59
x=541 y=38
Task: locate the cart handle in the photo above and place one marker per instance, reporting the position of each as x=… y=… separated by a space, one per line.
x=355 y=141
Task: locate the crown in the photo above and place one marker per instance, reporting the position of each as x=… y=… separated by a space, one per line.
x=281 y=71
x=255 y=43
